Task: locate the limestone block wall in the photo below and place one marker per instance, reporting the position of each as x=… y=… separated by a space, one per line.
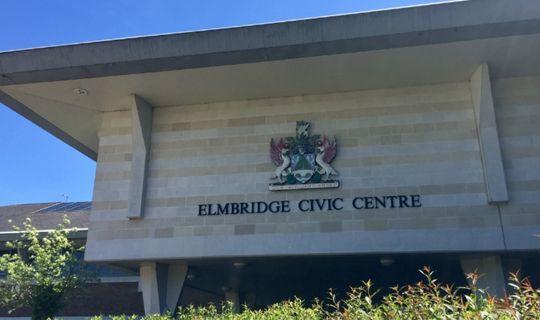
x=517 y=107
x=415 y=140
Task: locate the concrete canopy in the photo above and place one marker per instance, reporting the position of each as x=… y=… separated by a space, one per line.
x=400 y=47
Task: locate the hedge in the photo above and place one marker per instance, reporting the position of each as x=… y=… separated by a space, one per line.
x=427 y=299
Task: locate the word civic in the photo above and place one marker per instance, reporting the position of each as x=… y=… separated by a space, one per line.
x=310 y=205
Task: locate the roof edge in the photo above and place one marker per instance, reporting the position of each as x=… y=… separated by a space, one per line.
x=247 y=25
x=375 y=30
x=75 y=233
x=43 y=123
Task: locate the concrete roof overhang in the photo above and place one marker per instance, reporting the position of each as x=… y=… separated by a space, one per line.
x=400 y=47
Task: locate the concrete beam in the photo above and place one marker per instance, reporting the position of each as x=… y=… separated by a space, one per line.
x=490 y=271
x=141 y=116
x=488 y=137
x=161 y=285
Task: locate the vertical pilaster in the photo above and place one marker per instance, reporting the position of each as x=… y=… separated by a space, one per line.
x=141 y=115
x=488 y=136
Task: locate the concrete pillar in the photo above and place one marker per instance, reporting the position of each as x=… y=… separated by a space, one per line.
x=161 y=285
x=234 y=297
x=175 y=282
x=141 y=122
x=149 y=287
x=233 y=294
x=490 y=270
x=486 y=125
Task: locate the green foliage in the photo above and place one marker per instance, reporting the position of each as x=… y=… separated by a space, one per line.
x=424 y=300
x=293 y=309
x=40 y=270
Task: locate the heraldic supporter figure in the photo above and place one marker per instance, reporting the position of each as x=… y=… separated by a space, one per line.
x=303 y=159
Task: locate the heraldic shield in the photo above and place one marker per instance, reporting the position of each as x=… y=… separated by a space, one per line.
x=303 y=161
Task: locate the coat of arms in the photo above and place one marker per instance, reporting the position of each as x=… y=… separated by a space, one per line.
x=303 y=162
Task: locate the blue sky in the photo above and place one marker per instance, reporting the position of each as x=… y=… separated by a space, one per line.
x=37 y=167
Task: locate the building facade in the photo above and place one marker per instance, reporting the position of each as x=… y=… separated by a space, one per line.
x=258 y=163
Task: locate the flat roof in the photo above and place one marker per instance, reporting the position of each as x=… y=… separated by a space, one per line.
x=435 y=43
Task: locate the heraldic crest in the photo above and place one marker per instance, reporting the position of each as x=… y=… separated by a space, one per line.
x=303 y=162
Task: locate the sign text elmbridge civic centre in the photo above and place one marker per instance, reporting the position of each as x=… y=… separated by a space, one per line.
x=310 y=205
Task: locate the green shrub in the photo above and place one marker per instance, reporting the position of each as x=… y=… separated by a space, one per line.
x=424 y=300
x=40 y=270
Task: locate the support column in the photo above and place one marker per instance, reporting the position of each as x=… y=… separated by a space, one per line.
x=488 y=137
x=141 y=118
x=233 y=296
x=148 y=284
x=175 y=282
x=161 y=285
x=489 y=269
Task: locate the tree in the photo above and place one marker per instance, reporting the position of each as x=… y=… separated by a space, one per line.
x=40 y=270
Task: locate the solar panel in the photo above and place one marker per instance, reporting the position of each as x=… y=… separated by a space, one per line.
x=81 y=206
x=70 y=206
x=77 y=206
x=87 y=206
x=67 y=207
x=51 y=208
x=60 y=207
